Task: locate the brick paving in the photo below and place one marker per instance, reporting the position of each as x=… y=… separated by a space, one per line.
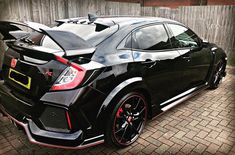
x=205 y=124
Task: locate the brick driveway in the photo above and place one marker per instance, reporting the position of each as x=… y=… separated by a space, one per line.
x=205 y=124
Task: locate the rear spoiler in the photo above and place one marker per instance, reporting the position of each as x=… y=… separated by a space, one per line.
x=66 y=40
x=32 y=52
x=6 y=27
x=69 y=42
x=38 y=52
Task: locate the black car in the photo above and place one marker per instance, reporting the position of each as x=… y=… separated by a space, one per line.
x=96 y=79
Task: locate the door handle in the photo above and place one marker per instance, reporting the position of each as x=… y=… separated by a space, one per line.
x=187 y=58
x=149 y=63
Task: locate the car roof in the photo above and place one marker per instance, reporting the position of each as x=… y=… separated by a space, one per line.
x=121 y=20
x=131 y=20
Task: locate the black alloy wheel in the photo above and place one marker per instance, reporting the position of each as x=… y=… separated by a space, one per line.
x=128 y=119
x=218 y=75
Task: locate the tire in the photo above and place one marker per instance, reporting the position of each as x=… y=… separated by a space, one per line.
x=218 y=75
x=127 y=120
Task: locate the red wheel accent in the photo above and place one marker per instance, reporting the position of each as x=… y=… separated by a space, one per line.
x=119 y=112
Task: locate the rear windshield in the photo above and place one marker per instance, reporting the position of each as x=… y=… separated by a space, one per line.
x=87 y=32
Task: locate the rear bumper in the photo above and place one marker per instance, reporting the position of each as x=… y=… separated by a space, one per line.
x=33 y=131
x=9 y=105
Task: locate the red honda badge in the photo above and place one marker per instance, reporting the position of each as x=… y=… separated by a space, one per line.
x=13 y=62
x=48 y=73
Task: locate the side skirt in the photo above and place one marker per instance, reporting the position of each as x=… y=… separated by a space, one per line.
x=181 y=98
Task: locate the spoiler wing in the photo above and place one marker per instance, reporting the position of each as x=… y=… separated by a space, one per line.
x=69 y=42
x=6 y=27
x=66 y=40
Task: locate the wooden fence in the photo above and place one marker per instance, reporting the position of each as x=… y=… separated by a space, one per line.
x=213 y=23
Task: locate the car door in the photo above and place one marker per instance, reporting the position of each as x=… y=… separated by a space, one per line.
x=195 y=58
x=153 y=54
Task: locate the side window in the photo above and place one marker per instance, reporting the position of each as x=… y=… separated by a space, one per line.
x=183 y=37
x=151 y=38
x=128 y=42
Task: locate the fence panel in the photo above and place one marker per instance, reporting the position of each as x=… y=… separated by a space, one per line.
x=213 y=23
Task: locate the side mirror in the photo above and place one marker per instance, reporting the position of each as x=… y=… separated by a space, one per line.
x=204 y=43
x=198 y=44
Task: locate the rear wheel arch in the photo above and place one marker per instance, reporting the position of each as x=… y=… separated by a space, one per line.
x=107 y=108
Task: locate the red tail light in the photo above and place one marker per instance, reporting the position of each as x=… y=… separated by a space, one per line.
x=71 y=77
